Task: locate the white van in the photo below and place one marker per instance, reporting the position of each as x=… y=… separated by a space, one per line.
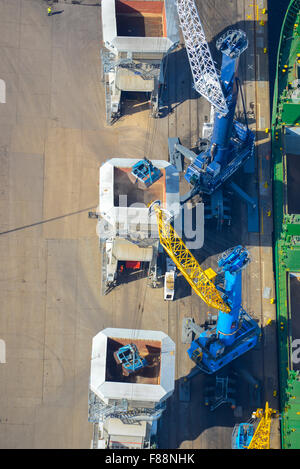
x=169 y=287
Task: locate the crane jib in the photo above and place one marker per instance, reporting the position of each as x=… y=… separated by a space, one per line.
x=187 y=264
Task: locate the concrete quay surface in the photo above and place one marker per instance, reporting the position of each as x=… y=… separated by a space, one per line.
x=53 y=138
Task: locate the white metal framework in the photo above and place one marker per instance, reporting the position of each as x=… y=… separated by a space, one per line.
x=204 y=73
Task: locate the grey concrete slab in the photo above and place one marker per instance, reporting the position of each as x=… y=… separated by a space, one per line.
x=33 y=12
x=29 y=135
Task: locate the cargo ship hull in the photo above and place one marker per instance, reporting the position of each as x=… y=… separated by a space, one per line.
x=286 y=193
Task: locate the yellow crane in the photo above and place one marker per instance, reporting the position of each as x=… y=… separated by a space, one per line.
x=261 y=437
x=245 y=437
x=199 y=279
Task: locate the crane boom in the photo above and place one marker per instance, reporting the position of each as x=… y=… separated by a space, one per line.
x=204 y=73
x=261 y=437
x=187 y=264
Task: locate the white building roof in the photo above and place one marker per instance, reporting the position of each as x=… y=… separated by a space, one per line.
x=106 y=390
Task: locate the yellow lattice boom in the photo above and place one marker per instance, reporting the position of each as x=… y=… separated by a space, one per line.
x=261 y=437
x=187 y=264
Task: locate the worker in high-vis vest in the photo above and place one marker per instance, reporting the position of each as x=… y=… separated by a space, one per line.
x=49 y=11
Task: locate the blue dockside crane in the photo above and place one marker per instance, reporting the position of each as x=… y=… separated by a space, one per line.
x=232 y=143
x=235 y=331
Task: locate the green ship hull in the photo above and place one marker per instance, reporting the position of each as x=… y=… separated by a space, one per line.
x=286 y=198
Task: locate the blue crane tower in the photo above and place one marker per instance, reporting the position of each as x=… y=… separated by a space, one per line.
x=231 y=143
x=235 y=331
